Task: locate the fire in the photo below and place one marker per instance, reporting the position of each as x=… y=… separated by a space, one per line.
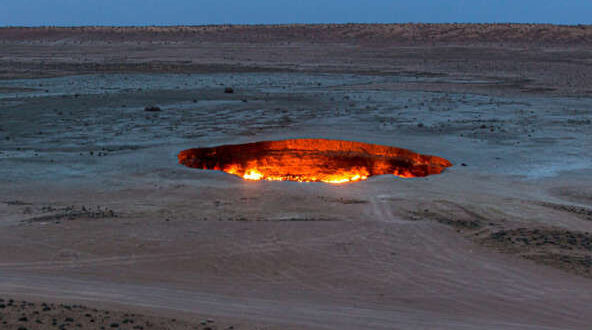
x=312 y=160
x=253 y=174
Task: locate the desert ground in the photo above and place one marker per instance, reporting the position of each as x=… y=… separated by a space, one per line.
x=100 y=227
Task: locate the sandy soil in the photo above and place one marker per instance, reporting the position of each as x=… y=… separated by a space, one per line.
x=511 y=57
x=95 y=211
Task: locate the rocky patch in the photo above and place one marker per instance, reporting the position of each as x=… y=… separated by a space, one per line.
x=25 y=315
x=564 y=249
x=51 y=214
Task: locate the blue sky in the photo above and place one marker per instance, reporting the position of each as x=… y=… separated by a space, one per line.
x=198 y=12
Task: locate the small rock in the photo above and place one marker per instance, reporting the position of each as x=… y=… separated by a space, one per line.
x=152 y=109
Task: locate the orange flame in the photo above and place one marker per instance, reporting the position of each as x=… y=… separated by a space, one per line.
x=312 y=160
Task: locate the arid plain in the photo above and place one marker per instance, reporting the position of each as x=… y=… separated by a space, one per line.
x=101 y=227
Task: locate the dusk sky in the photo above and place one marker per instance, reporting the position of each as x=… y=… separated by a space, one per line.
x=198 y=12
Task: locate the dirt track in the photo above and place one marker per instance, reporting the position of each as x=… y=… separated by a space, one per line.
x=95 y=209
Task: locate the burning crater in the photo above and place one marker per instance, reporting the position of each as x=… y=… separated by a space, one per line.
x=312 y=160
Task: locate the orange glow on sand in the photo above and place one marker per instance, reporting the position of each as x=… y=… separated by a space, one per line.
x=312 y=160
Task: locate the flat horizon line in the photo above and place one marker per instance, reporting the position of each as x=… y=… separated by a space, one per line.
x=281 y=25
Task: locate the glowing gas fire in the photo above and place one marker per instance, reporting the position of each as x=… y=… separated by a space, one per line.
x=312 y=160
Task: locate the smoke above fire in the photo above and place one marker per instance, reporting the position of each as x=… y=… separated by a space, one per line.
x=312 y=160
